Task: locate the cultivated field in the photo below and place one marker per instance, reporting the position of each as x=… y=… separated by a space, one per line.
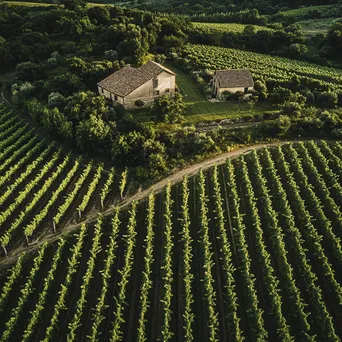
x=248 y=249
x=262 y=66
x=223 y=28
x=42 y=188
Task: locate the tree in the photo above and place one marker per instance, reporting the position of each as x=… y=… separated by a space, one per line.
x=56 y=100
x=261 y=89
x=111 y=55
x=297 y=50
x=93 y=134
x=334 y=41
x=168 y=109
x=99 y=15
x=280 y=95
x=252 y=101
x=82 y=105
x=28 y=71
x=74 y=5
x=65 y=84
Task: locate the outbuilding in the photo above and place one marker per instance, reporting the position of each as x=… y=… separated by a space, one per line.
x=232 y=80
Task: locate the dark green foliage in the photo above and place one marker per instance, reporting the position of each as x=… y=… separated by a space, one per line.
x=168 y=109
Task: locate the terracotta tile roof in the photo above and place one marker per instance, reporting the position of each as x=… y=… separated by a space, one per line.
x=127 y=79
x=234 y=78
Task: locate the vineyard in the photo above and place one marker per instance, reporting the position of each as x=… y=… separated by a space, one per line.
x=223 y=28
x=263 y=66
x=42 y=189
x=249 y=249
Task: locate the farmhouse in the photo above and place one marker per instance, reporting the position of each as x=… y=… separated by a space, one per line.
x=232 y=80
x=129 y=85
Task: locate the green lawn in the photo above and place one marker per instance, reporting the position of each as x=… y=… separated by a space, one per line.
x=200 y=109
x=203 y=110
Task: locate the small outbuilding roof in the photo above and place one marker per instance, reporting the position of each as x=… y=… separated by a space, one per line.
x=234 y=78
x=127 y=79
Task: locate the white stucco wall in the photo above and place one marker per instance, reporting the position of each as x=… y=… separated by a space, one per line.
x=233 y=90
x=145 y=92
x=108 y=95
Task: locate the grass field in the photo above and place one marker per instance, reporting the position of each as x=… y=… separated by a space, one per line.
x=247 y=250
x=312 y=27
x=235 y=28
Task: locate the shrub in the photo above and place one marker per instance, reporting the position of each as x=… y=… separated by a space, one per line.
x=139 y=103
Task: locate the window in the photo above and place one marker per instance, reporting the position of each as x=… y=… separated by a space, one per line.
x=167 y=90
x=157 y=92
x=155 y=83
x=115 y=98
x=246 y=90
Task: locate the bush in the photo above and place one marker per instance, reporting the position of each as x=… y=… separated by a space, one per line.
x=139 y=103
x=168 y=110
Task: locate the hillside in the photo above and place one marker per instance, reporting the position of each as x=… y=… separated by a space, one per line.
x=254 y=240
x=42 y=186
x=171 y=171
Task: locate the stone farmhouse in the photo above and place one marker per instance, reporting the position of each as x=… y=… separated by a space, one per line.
x=128 y=85
x=232 y=80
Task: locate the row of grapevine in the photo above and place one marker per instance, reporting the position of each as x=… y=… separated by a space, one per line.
x=187 y=261
x=35 y=315
x=167 y=267
x=32 y=185
x=98 y=315
x=274 y=231
x=8 y=128
x=130 y=238
x=21 y=163
x=331 y=181
x=234 y=329
x=147 y=283
x=13 y=276
x=96 y=248
x=14 y=141
x=32 y=226
x=29 y=170
x=269 y=279
x=322 y=317
x=254 y=312
x=310 y=233
x=315 y=203
x=74 y=260
x=106 y=187
x=91 y=189
x=25 y=293
x=71 y=195
x=262 y=66
x=7 y=235
x=21 y=150
x=239 y=265
x=208 y=262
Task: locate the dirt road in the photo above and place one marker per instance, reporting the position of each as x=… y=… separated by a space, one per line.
x=157 y=187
